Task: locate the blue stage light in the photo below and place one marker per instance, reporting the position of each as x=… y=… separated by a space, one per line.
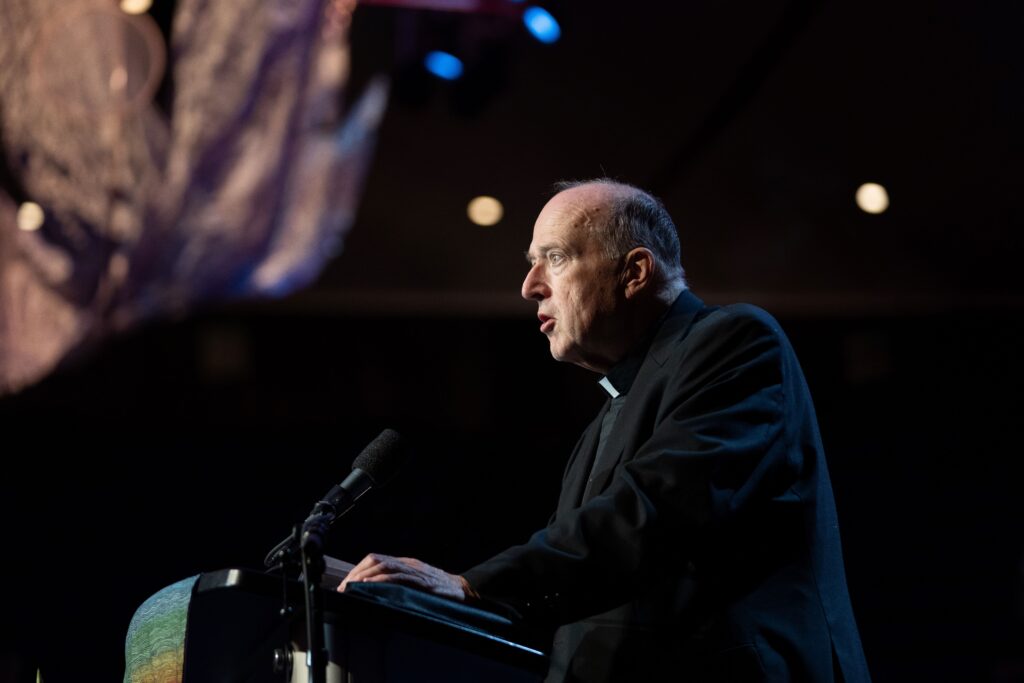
x=443 y=65
x=541 y=24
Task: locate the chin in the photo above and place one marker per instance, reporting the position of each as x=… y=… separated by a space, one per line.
x=564 y=355
x=557 y=352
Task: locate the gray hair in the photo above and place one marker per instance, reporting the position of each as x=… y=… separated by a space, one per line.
x=638 y=219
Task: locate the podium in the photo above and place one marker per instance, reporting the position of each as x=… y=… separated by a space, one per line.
x=374 y=633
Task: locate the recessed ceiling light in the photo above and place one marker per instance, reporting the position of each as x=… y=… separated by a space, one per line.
x=872 y=198
x=485 y=210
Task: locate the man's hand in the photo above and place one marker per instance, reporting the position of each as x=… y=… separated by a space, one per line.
x=407 y=571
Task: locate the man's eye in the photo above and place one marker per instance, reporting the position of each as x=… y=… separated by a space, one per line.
x=555 y=259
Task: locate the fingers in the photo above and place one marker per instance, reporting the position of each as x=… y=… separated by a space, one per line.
x=405 y=571
x=370 y=566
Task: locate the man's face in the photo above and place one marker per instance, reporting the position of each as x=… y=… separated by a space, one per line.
x=575 y=284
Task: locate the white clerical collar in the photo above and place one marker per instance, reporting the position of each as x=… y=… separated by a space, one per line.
x=607 y=385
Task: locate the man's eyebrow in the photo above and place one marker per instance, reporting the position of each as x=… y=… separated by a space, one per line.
x=541 y=252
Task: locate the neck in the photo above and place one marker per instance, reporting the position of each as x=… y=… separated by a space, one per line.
x=669 y=291
x=639 y=314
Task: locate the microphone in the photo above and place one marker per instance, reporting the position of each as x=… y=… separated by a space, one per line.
x=373 y=467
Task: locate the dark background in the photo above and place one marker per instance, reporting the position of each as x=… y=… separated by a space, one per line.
x=192 y=445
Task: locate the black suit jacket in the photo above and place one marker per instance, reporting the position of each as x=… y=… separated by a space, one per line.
x=710 y=550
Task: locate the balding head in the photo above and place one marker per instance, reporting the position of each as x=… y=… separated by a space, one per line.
x=623 y=217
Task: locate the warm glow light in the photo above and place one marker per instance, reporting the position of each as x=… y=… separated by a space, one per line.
x=30 y=216
x=872 y=198
x=485 y=210
x=135 y=6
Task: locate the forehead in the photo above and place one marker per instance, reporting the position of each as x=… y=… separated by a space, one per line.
x=570 y=219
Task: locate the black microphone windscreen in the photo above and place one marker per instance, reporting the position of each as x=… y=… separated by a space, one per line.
x=382 y=457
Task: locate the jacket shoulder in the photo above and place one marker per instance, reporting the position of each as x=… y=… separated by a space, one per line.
x=734 y=322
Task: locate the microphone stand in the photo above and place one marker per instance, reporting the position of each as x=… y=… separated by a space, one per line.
x=312 y=549
x=282 y=558
x=309 y=544
x=368 y=467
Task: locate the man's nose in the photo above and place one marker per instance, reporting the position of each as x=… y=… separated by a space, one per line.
x=534 y=287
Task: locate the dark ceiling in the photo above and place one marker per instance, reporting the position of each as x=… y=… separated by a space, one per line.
x=755 y=122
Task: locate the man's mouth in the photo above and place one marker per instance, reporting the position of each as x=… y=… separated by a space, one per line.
x=547 y=323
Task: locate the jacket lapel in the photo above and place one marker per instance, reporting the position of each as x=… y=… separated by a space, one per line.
x=578 y=470
x=616 y=445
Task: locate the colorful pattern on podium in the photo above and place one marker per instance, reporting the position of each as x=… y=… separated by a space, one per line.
x=154 y=650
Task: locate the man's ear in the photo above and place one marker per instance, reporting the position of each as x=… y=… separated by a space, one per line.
x=638 y=271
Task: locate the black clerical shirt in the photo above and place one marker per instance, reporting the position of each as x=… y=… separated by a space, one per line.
x=617 y=383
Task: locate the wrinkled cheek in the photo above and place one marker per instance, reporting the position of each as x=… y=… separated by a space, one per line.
x=579 y=318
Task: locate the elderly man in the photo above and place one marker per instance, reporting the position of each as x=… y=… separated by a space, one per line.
x=695 y=537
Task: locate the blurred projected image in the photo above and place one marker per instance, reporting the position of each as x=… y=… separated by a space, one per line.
x=115 y=210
